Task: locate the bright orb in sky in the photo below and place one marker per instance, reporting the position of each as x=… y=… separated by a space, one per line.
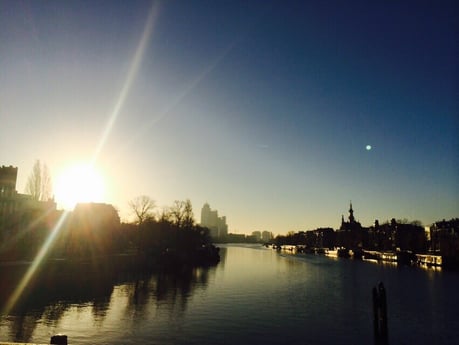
x=368 y=147
x=78 y=183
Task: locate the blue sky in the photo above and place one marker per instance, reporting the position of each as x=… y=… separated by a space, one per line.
x=261 y=108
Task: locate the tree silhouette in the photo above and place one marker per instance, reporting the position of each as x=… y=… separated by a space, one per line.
x=181 y=213
x=39 y=182
x=142 y=206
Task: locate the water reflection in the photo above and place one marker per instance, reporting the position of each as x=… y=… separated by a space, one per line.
x=60 y=287
x=256 y=295
x=222 y=252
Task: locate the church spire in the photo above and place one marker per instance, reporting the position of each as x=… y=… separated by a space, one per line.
x=351 y=213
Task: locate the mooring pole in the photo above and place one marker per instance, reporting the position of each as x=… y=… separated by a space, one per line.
x=380 y=315
x=59 y=339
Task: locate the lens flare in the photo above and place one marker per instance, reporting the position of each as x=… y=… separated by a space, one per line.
x=133 y=69
x=12 y=300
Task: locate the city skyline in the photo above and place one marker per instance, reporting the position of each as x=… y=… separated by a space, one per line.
x=209 y=218
x=277 y=114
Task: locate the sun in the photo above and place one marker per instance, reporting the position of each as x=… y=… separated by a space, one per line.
x=79 y=183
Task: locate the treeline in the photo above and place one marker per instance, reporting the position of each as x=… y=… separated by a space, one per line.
x=170 y=235
x=93 y=231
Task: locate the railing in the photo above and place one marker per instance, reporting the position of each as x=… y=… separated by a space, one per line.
x=58 y=339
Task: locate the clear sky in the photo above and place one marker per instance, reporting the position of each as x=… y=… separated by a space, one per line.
x=263 y=109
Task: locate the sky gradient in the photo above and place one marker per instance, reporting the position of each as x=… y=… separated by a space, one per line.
x=263 y=109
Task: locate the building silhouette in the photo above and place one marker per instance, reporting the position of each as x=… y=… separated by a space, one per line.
x=17 y=208
x=256 y=236
x=445 y=237
x=210 y=219
x=262 y=236
x=8 y=194
x=92 y=230
x=350 y=233
x=352 y=223
x=24 y=221
x=266 y=236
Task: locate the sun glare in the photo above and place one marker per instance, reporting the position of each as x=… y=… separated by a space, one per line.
x=79 y=183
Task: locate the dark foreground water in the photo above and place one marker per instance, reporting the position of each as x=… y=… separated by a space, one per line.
x=254 y=296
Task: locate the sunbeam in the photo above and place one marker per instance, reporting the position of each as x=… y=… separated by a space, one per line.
x=23 y=232
x=133 y=69
x=33 y=267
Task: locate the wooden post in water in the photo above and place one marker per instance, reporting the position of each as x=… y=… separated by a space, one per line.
x=59 y=339
x=380 y=315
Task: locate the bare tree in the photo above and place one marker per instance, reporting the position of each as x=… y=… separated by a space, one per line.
x=176 y=212
x=142 y=206
x=181 y=213
x=416 y=222
x=188 y=216
x=164 y=216
x=39 y=182
x=46 y=185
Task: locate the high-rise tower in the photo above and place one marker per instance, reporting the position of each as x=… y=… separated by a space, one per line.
x=211 y=220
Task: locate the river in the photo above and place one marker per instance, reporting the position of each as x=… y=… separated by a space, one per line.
x=254 y=295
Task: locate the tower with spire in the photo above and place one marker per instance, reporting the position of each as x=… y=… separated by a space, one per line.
x=351 y=213
x=352 y=223
x=350 y=234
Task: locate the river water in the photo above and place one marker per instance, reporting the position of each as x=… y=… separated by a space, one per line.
x=254 y=295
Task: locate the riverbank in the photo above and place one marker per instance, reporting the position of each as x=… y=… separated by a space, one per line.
x=207 y=255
